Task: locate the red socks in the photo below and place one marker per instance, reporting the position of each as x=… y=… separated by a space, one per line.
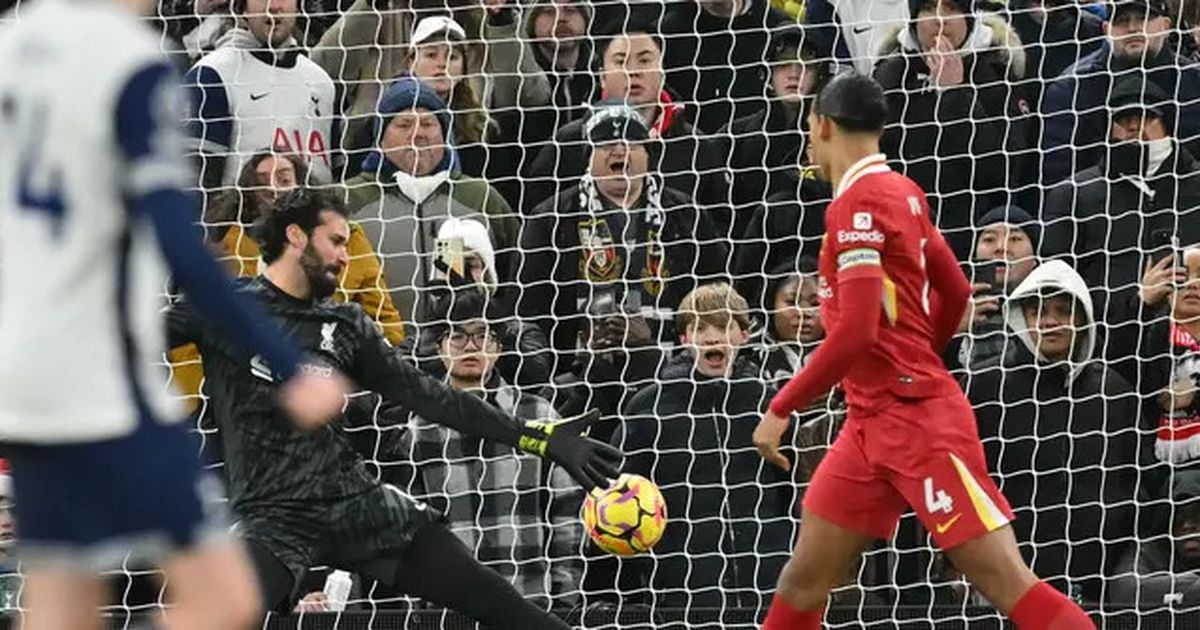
x=1043 y=608
x=781 y=616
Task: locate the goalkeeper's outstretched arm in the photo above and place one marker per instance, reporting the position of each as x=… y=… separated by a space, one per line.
x=380 y=368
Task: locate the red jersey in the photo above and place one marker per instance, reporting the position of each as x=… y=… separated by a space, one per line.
x=879 y=222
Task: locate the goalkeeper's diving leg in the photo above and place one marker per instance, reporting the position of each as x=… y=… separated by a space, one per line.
x=437 y=567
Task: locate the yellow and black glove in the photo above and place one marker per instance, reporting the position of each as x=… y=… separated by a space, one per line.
x=591 y=463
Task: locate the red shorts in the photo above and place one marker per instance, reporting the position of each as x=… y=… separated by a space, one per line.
x=920 y=453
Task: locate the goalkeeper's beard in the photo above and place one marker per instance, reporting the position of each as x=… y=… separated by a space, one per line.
x=322 y=278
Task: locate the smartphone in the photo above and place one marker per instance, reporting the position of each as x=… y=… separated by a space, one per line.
x=450 y=253
x=983 y=271
x=1164 y=239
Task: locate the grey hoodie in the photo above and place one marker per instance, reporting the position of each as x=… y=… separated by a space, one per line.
x=1054 y=275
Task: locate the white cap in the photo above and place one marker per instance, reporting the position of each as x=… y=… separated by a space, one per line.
x=475 y=240
x=430 y=27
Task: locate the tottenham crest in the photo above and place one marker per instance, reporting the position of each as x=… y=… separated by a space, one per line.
x=598 y=259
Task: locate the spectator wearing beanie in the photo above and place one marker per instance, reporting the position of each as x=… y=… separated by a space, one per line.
x=620 y=230
x=948 y=75
x=1143 y=193
x=1006 y=249
x=1075 y=119
x=632 y=73
x=769 y=143
x=408 y=188
x=714 y=56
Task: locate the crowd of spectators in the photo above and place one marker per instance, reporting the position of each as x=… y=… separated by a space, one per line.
x=568 y=205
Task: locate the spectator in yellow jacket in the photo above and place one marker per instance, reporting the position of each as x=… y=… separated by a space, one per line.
x=230 y=223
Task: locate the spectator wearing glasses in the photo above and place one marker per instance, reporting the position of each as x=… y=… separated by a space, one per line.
x=1075 y=119
x=517 y=513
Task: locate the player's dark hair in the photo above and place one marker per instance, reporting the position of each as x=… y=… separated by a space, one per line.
x=302 y=207
x=854 y=101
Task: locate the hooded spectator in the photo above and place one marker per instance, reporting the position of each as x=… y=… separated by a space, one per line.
x=620 y=230
x=517 y=513
x=1060 y=432
x=769 y=143
x=257 y=90
x=1165 y=568
x=1144 y=192
x=949 y=75
x=632 y=73
x=1055 y=34
x=715 y=54
x=1075 y=119
x=731 y=528
x=1005 y=254
x=408 y=188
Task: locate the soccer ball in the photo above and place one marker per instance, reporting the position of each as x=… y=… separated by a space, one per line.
x=626 y=518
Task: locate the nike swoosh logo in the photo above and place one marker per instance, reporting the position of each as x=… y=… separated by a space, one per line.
x=861 y=29
x=942 y=528
x=255 y=97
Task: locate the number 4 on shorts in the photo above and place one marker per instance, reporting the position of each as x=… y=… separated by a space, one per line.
x=936 y=500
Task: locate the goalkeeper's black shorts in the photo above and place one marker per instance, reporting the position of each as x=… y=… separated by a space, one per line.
x=347 y=533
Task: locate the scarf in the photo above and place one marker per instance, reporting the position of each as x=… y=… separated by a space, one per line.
x=646 y=255
x=1178 y=436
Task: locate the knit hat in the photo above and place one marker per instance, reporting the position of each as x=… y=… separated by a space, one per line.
x=409 y=93
x=612 y=119
x=1137 y=92
x=475 y=240
x=1014 y=216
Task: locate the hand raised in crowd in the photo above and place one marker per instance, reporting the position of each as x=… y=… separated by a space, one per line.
x=1159 y=280
x=945 y=64
x=979 y=307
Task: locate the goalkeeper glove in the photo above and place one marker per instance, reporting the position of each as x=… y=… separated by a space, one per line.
x=590 y=462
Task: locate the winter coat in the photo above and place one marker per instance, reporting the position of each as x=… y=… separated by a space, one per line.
x=1152 y=572
x=517 y=513
x=766 y=147
x=1076 y=117
x=1067 y=35
x=716 y=64
x=957 y=143
x=558 y=273
x=390 y=215
x=1108 y=226
x=362 y=281
x=730 y=525
x=689 y=163
x=1062 y=441
x=788 y=225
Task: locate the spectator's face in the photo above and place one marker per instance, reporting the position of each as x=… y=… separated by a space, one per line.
x=562 y=23
x=1134 y=125
x=944 y=20
x=469 y=351
x=8 y=528
x=440 y=66
x=1052 y=322
x=413 y=142
x=797 y=315
x=633 y=69
x=1008 y=244
x=1187 y=532
x=325 y=255
x=271 y=21
x=715 y=347
x=619 y=161
x=273 y=176
x=790 y=80
x=1187 y=298
x=1134 y=38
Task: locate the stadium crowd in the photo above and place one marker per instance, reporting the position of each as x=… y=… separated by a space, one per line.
x=567 y=205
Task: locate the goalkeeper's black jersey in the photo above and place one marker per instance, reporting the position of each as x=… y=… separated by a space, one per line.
x=271 y=463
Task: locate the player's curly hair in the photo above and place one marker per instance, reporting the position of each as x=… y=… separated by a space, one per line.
x=302 y=207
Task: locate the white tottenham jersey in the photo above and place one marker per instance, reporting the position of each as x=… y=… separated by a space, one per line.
x=82 y=280
x=248 y=104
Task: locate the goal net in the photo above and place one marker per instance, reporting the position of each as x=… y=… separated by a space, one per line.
x=544 y=192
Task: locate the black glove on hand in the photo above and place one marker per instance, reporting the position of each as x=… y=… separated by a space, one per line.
x=590 y=462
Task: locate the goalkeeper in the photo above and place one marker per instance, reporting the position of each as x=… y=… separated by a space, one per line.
x=305 y=498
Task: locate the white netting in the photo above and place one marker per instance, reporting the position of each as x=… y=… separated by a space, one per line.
x=1014 y=117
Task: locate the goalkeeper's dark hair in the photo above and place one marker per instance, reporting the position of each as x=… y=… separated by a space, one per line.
x=854 y=101
x=302 y=207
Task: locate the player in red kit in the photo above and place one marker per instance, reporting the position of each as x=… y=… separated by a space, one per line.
x=891 y=297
